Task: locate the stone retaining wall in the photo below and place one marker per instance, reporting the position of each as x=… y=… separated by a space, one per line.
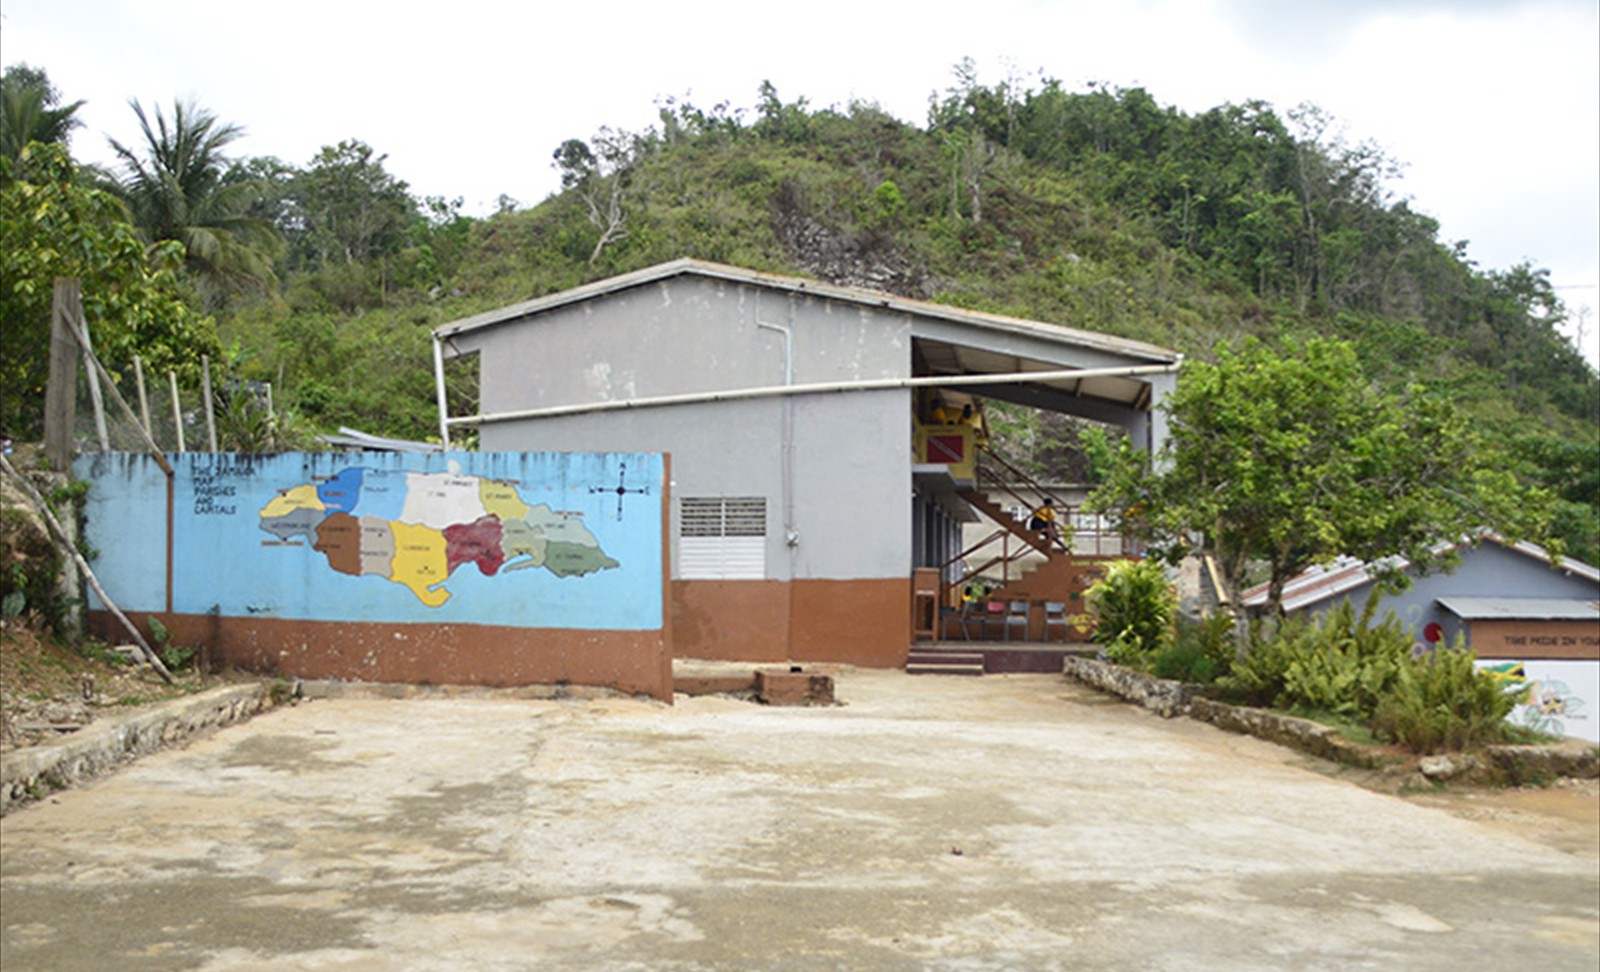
x=1162 y=696
x=1301 y=734
x=101 y=746
x=1512 y=764
x=1539 y=764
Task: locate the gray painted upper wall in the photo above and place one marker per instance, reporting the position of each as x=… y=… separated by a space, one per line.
x=679 y=335
x=1489 y=570
x=848 y=495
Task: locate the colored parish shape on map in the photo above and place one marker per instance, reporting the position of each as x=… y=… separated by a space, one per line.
x=415 y=529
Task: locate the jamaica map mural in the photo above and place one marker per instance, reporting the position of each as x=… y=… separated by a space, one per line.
x=416 y=529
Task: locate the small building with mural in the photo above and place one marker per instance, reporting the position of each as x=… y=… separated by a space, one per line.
x=824 y=440
x=1530 y=616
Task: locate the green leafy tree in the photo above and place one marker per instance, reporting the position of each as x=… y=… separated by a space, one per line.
x=176 y=186
x=347 y=208
x=55 y=226
x=31 y=111
x=1290 y=459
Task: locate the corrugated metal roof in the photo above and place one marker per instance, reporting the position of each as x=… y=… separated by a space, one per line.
x=348 y=438
x=663 y=271
x=1521 y=608
x=1346 y=574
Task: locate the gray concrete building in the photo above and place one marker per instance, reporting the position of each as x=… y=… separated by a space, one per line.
x=809 y=479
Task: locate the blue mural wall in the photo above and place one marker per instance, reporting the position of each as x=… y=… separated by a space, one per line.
x=543 y=540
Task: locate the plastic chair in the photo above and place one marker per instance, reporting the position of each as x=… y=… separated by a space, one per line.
x=1055 y=615
x=1017 y=614
x=993 y=611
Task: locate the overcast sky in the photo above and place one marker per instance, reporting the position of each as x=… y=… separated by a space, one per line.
x=1492 y=105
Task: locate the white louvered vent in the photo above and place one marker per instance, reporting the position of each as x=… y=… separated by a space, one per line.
x=722 y=538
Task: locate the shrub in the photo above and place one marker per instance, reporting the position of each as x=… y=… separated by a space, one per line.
x=32 y=568
x=1343 y=664
x=1200 y=651
x=1134 y=607
x=1257 y=674
x=1184 y=661
x=1444 y=702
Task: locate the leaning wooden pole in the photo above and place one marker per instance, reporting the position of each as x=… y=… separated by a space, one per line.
x=177 y=409
x=82 y=337
x=90 y=361
x=211 y=412
x=144 y=397
x=67 y=545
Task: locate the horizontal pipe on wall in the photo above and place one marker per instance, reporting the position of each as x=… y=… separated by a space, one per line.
x=776 y=391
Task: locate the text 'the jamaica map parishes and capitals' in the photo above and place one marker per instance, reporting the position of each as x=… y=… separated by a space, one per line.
x=415 y=528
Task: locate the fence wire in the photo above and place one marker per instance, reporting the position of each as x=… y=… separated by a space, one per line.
x=115 y=431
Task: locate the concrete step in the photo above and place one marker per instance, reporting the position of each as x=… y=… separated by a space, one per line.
x=928 y=668
x=921 y=656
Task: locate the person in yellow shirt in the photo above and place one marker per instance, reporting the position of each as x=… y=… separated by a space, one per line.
x=1043 y=519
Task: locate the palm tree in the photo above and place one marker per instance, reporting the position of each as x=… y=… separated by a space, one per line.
x=177 y=189
x=30 y=111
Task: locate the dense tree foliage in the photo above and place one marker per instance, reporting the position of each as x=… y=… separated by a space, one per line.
x=1289 y=459
x=1100 y=209
x=54 y=226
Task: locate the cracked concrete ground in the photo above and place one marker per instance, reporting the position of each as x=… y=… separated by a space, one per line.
x=1003 y=823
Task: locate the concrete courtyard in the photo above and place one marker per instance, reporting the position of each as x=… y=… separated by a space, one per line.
x=1002 y=823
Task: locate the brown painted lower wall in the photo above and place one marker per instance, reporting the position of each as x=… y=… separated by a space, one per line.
x=856 y=622
x=442 y=654
x=730 y=620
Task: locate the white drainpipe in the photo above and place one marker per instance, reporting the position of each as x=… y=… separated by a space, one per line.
x=791 y=534
x=438 y=386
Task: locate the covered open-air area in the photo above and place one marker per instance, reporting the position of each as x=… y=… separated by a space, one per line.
x=1012 y=823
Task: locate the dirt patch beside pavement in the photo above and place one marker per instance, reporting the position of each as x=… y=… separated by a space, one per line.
x=48 y=689
x=1564 y=815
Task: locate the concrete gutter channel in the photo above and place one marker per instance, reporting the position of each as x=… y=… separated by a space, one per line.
x=1169 y=699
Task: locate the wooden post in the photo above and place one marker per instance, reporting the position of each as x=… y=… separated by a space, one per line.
x=76 y=311
x=144 y=399
x=177 y=409
x=205 y=387
x=61 y=388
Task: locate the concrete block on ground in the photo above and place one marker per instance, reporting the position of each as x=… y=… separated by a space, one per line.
x=794 y=686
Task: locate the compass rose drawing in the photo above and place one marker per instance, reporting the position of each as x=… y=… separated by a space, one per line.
x=621 y=489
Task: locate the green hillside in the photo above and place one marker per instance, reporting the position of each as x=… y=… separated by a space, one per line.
x=1099 y=209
